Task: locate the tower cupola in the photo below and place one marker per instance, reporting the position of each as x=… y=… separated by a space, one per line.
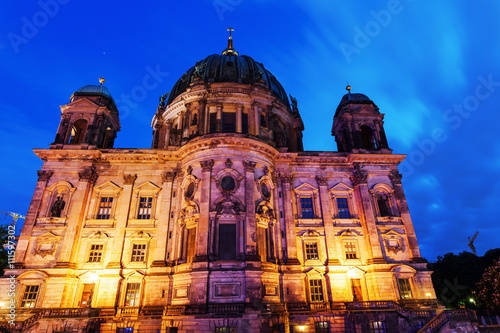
x=89 y=121
x=358 y=126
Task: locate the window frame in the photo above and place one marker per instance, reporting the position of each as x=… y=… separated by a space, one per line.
x=409 y=286
x=146 y=189
x=306 y=190
x=89 y=253
x=382 y=328
x=341 y=191
x=109 y=208
x=352 y=244
x=319 y=281
x=32 y=301
x=137 y=293
x=144 y=255
x=144 y=215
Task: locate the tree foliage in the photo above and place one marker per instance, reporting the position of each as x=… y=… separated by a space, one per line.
x=489 y=287
x=455 y=277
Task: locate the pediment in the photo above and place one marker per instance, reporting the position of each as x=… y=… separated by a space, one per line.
x=314 y=272
x=348 y=232
x=341 y=187
x=135 y=275
x=393 y=232
x=36 y=275
x=148 y=186
x=140 y=234
x=108 y=186
x=306 y=187
x=47 y=235
x=403 y=269
x=80 y=103
x=98 y=234
x=309 y=233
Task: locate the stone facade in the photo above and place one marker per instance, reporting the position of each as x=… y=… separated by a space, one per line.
x=225 y=224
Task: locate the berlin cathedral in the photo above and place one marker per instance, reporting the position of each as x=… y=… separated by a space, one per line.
x=226 y=224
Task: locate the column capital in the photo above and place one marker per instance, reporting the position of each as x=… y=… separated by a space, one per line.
x=206 y=166
x=129 y=179
x=88 y=175
x=322 y=181
x=168 y=176
x=44 y=175
x=358 y=177
x=396 y=177
x=286 y=179
x=249 y=166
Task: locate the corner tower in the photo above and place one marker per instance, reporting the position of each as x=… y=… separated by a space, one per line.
x=358 y=126
x=89 y=121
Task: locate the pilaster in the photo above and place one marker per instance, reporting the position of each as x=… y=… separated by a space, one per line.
x=250 y=224
x=122 y=215
x=36 y=201
x=327 y=221
x=76 y=216
x=203 y=224
x=163 y=221
x=291 y=238
x=359 y=181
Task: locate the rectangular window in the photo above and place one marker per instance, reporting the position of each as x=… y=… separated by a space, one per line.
x=125 y=330
x=244 y=123
x=350 y=250
x=404 y=288
x=262 y=243
x=377 y=327
x=105 y=208
x=227 y=241
x=307 y=207
x=311 y=250
x=316 y=290
x=95 y=254
x=228 y=122
x=88 y=291
x=191 y=245
x=145 y=204
x=343 y=208
x=225 y=329
x=213 y=122
x=322 y=327
x=138 y=253
x=132 y=294
x=356 y=289
x=29 y=298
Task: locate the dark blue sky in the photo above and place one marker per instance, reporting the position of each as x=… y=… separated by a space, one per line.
x=433 y=68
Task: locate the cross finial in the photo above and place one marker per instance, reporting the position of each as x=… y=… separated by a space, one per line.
x=230 y=30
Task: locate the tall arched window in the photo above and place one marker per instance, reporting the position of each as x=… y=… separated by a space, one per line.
x=368 y=138
x=78 y=131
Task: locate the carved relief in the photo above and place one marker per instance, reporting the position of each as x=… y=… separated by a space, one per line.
x=168 y=176
x=249 y=166
x=358 y=177
x=44 y=175
x=46 y=244
x=395 y=177
x=129 y=179
x=88 y=174
x=322 y=181
x=206 y=166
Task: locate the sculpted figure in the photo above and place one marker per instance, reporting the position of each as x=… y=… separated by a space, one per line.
x=57 y=207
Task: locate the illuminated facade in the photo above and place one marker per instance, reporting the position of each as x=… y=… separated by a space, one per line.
x=225 y=224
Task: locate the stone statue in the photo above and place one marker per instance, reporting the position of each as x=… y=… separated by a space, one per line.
x=57 y=207
x=163 y=99
x=294 y=104
x=194 y=121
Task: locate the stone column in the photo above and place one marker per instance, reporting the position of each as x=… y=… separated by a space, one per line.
x=291 y=238
x=122 y=215
x=218 y=121
x=277 y=212
x=239 y=110
x=29 y=222
x=203 y=223
x=201 y=116
x=76 y=216
x=164 y=217
x=405 y=215
x=359 y=181
x=168 y=125
x=327 y=221
x=250 y=223
x=256 y=114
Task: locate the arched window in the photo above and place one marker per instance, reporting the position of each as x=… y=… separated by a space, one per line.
x=78 y=131
x=383 y=204
x=367 y=138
